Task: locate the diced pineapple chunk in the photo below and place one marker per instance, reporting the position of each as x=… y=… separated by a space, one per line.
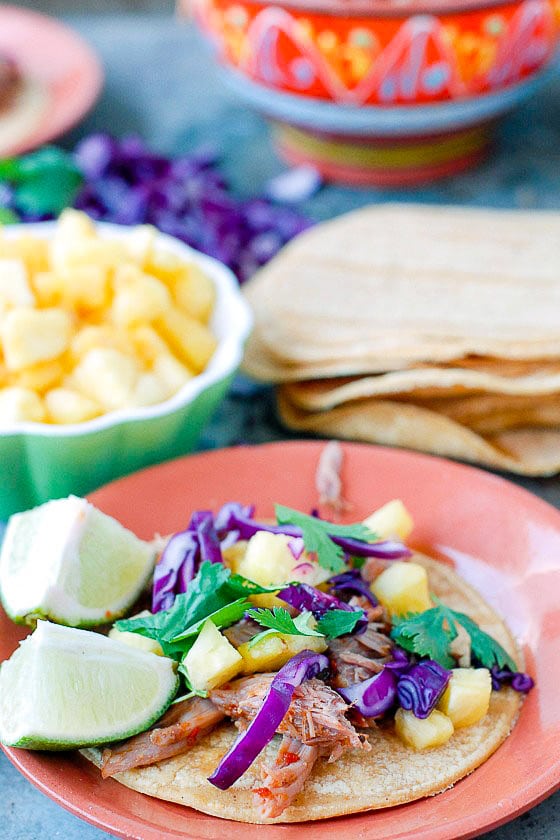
x=234 y=554
x=191 y=341
x=140 y=243
x=148 y=344
x=138 y=297
x=467 y=696
x=173 y=372
x=403 y=588
x=164 y=265
x=212 y=660
x=267 y=600
x=100 y=336
x=64 y=405
x=40 y=377
x=149 y=390
x=18 y=405
x=194 y=292
x=34 y=335
x=86 y=287
x=423 y=733
x=107 y=377
x=14 y=285
x=135 y=640
x=271 y=652
x=391 y=520
x=268 y=560
x=34 y=252
x=73 y=231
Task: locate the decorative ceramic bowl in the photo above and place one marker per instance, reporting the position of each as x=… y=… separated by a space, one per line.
x=42 y=461
x=385 y=92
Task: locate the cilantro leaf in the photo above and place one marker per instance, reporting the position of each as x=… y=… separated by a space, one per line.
x=487 y=650
x=280 y=620
x=207 y=593
x=317 y=535
x=45 y=181
x=431 y=632
x=426 y=634
x=222 y=617
x=336 y=623
x=243 y=586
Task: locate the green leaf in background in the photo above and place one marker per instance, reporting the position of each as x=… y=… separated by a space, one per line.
x=44 y=182
x=7 y=216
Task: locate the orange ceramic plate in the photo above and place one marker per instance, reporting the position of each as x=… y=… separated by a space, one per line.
x=59 y=63
x=502 y=539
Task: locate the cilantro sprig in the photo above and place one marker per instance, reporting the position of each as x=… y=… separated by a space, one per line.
x=430 y=634
x=317 y=536
x=44 y=182
x=332 y=624
x=214 y=593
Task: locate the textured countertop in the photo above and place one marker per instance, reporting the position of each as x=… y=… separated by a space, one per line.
x=162 y=83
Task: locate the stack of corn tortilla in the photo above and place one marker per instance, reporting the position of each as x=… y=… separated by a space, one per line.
x=433 y=328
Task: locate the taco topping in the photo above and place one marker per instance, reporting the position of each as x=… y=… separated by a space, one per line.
x=313 y=631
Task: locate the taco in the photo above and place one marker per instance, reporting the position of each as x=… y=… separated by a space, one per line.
x=372 y=677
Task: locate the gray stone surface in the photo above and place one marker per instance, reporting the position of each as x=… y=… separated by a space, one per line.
x=163 y=84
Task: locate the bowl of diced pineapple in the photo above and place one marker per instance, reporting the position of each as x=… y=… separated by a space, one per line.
x=116 y=346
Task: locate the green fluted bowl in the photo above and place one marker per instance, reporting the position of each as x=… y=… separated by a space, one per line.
x=42 y=461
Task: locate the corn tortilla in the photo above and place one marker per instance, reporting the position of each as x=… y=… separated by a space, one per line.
x=391 y=774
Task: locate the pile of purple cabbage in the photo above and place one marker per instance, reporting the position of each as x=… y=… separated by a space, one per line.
x=123 y=182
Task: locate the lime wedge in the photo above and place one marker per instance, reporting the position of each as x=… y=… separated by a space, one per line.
x=67 y=561
x=65 y=688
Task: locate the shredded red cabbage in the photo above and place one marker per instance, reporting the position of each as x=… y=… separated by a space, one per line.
x=372 y=697
x=181 y=559
x=248 y=745
x=306 y=598
x=352 y=581
x=518 y=680
x=185 y=197
x=421 y=686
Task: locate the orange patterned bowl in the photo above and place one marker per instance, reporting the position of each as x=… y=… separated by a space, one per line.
x=383 y=92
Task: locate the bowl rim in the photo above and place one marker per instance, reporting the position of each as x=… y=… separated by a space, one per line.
x=398 y=9
x=232 y=321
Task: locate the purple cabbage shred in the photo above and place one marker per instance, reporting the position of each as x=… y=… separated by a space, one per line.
x=374 y=696
x=420 y=688
x=352 y=581
x=185 y=197
x=518 y=680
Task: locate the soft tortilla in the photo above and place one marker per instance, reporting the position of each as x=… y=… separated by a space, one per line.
x=391 y=774
x=410 y=283
x=526 y=451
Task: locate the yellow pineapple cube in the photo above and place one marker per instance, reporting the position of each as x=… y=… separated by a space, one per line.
x=148 y=345
x=32 y=251
x=268 y=560
x=34 y=335
x=65 y=405
x=149 y=390
x=423 y=733
x=467 y=696
x=164 y=265
x=267 y=600
x=18 y=405
x=271 y=652
x=190 y=340
x=212 y=660
x=140 y=244
x=74 y=231
x=40 y=377
x=106 y=376
x=85 y=287
x=234 y=554
x=391 y=520
x=173 y=372
x=138 y=297
x=14 y=285
x=402 y=588
x=100 y=336
x=194 y=292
